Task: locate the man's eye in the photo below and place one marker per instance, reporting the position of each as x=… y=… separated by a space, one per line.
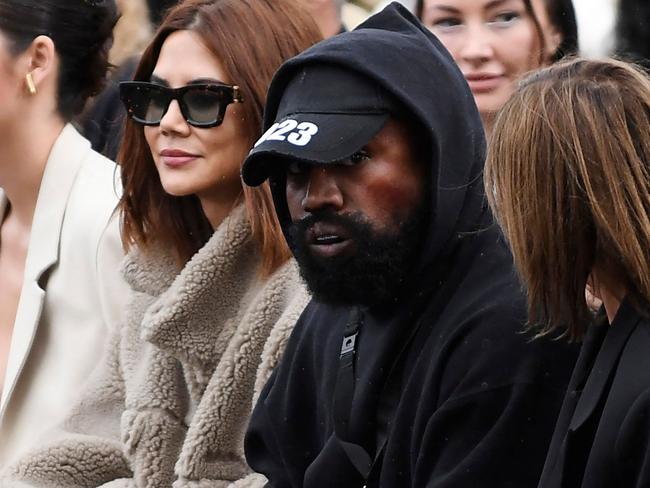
x=357 y=157
x=296 y=168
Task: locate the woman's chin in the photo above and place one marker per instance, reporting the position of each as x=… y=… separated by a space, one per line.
x=490 y=103
x=178 y=189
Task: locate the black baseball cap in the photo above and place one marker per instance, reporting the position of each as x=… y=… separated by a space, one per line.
x=326 y=114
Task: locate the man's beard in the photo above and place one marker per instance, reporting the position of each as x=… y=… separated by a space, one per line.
x=376 y=274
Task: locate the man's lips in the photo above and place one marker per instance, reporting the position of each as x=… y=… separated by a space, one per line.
x=328 y=240
x=176 y=157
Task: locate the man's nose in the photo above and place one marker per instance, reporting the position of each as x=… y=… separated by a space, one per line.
x=323 y=190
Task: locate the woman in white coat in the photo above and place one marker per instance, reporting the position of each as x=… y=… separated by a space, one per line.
x=59 y=249
x=215 y=294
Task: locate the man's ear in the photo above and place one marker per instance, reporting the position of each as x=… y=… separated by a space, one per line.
x=41 y=59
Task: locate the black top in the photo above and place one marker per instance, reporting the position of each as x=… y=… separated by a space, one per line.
x=477 y=408
x=603 y=432
x=477 y=399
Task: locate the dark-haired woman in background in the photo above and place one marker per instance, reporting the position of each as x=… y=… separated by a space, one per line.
x=215 y=294
x=59 y=249
x=102 y=123
x=495 y=43
x=568 y=176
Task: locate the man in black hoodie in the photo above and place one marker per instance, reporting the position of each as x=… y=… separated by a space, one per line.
x=409 y=368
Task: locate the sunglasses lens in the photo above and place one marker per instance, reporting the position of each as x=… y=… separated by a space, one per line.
x=203 y=106
x=154 y=106
x=145 y=103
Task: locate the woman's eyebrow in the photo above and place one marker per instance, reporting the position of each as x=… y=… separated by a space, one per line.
x=158 y=80
x=445 y=8
x=198 y=81
x=495 y=3
x=206 y=80
x=453 y=10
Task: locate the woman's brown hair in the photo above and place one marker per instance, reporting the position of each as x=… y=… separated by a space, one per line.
x=568 y=177
x=251 y=38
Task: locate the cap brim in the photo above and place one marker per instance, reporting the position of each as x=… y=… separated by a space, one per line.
x=337 y=137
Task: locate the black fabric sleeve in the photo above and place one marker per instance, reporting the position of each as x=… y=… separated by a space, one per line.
x=633 y=445
x=263 y=453
x=495 y=438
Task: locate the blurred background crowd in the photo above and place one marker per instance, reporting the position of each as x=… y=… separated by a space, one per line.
x=605 y=27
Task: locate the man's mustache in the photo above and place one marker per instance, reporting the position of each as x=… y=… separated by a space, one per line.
x=352 y=223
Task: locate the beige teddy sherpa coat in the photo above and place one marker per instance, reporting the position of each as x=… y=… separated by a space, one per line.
x=170 y=403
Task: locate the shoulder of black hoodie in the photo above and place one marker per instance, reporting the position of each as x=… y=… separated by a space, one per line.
x=478 y=407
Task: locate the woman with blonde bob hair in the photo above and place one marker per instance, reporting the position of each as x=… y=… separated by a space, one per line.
x=568 y=177
x=214 y=291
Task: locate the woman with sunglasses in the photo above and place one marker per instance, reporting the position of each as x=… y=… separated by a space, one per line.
x=60 y=289
x=214 y=292
x=494 y=43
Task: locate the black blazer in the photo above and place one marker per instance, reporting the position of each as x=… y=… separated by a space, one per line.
x=603 y=433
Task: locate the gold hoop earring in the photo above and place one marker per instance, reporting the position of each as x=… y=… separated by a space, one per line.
x=31 y=87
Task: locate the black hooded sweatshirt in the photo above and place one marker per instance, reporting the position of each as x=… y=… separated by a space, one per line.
x=471 y=400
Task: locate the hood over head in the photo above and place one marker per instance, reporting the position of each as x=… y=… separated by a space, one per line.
x=344 y=88
x=461 y=288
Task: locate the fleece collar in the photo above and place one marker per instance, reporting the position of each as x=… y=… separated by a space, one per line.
x=190 y=316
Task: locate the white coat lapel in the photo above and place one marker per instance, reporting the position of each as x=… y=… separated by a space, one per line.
x=64 y=161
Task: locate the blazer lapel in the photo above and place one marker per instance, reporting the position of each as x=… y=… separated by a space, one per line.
x=604 y=366
x=61 y=170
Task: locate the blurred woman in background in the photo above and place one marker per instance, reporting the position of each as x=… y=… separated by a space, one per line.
x=495 y=43
x=60 y=291
x=214 y=293
x=568 y=176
